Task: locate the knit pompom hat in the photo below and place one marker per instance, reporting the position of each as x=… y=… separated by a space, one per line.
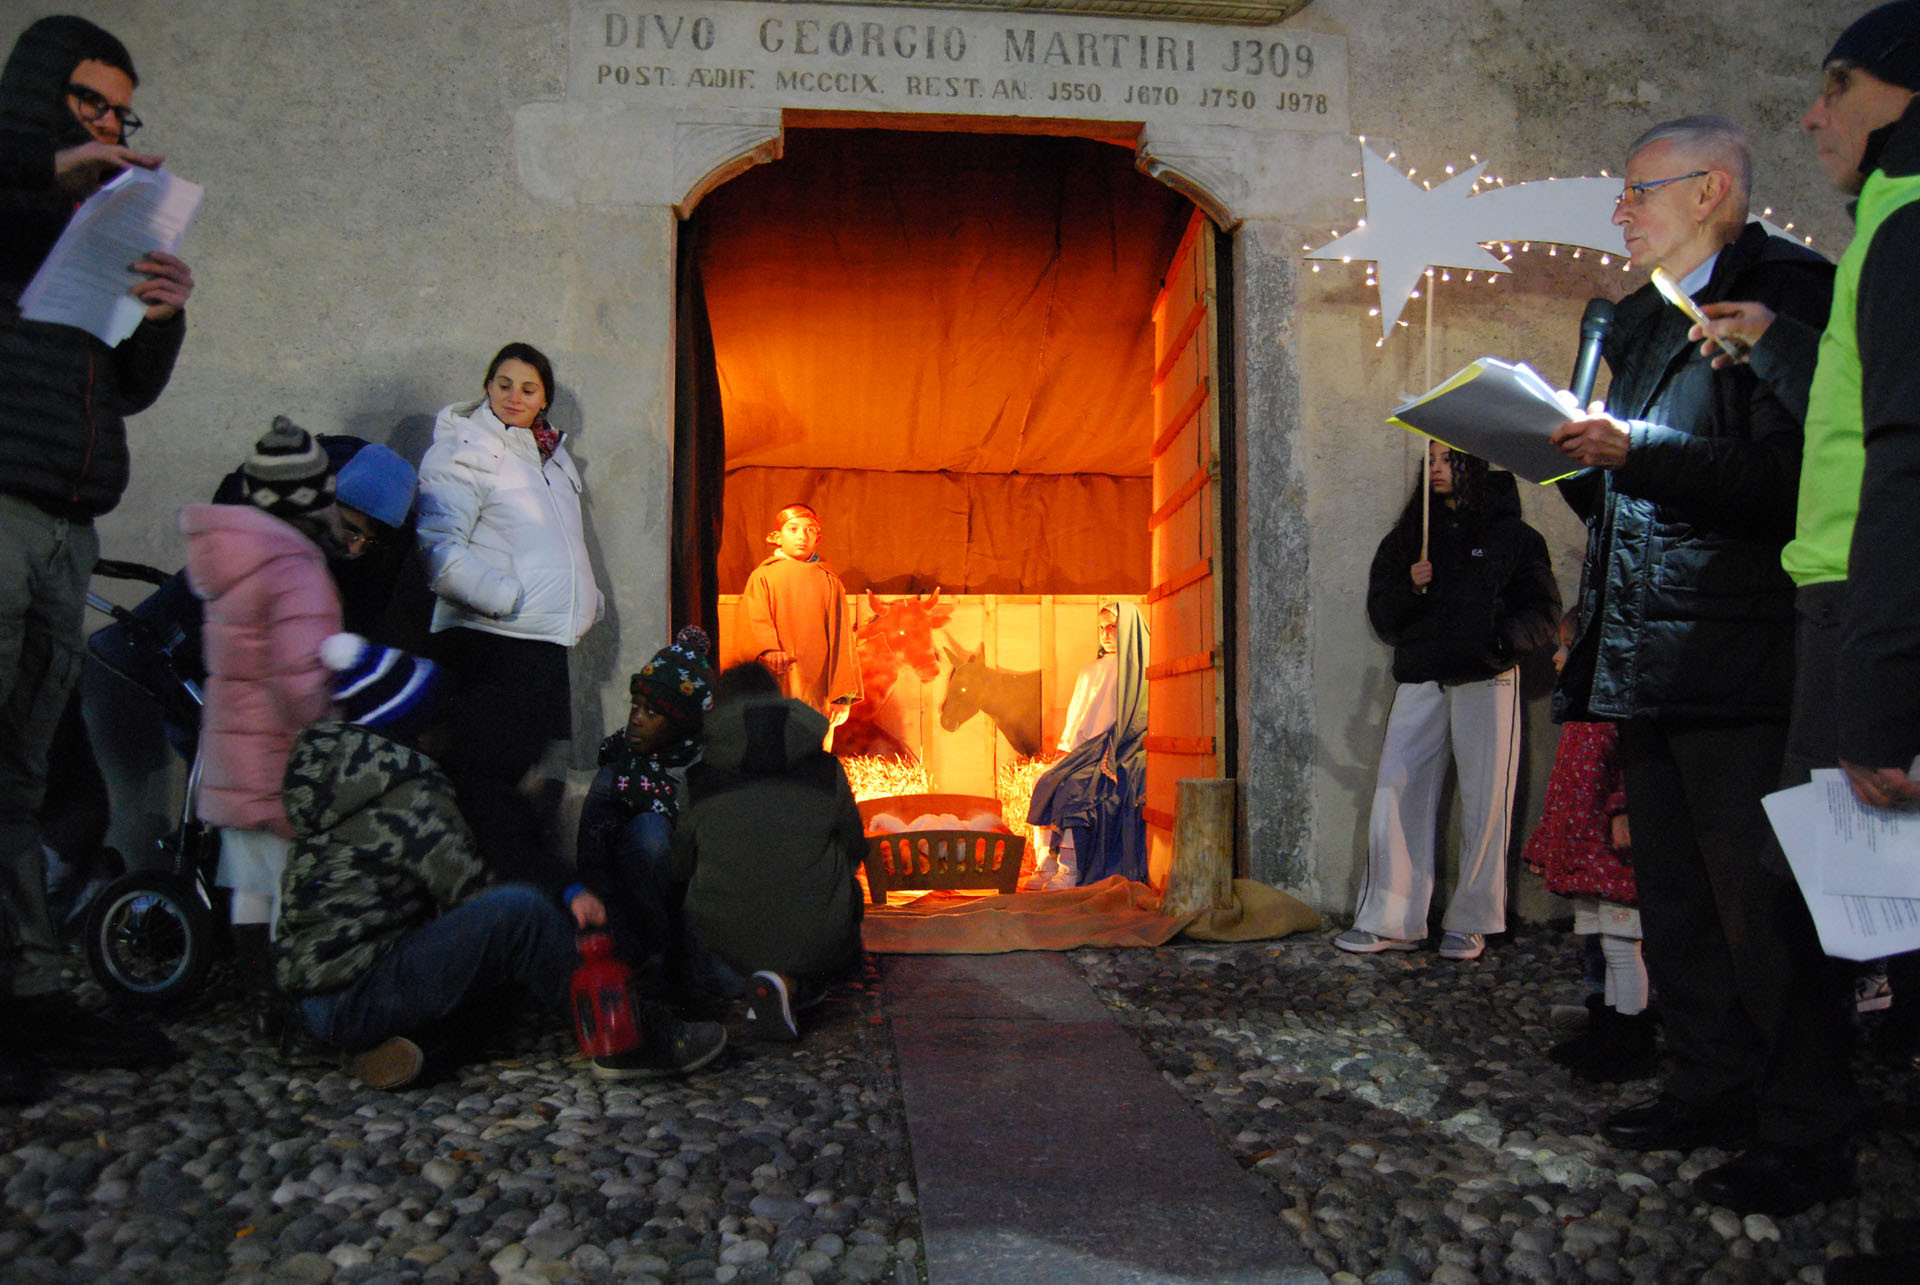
x=288 y=474
x=382 y=688
x=678 y=681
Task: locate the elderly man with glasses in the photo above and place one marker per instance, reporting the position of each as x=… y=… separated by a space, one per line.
x=1686 y=641
x=65 y=113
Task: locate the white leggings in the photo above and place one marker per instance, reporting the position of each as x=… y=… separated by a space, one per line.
x=1481 y=723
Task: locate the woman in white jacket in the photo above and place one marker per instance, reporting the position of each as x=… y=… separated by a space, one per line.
x=507 y=559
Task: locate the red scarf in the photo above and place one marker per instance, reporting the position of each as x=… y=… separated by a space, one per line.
x=546 y=437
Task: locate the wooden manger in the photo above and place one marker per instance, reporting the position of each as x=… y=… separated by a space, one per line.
x=922 y=860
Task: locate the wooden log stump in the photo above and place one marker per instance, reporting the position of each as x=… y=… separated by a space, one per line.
x=1201 y=876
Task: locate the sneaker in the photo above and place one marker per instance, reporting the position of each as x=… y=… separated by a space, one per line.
x=1362 y=942
x=391 y=1064
x=1462 y=946
x=770 y=1009
x=679 y=1048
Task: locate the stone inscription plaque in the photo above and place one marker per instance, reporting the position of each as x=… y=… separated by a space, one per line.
x=682 y=54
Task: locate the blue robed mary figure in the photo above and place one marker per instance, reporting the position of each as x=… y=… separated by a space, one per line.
x=1091 y=797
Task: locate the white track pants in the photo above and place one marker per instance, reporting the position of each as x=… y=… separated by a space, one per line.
x=1481 y=723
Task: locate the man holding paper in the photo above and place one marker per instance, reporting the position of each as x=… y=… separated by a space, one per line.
x=1685 y=640
x=65 y=111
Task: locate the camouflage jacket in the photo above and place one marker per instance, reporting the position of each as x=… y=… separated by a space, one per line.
x=379 y=848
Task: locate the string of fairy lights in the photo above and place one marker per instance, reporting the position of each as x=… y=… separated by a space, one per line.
x=1504 y=250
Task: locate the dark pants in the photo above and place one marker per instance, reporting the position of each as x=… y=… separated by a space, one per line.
x=630 y=860
x=509 y=942
x=511 y=699
x=1813 y=741
x=1749 y=1007
x=44 y=565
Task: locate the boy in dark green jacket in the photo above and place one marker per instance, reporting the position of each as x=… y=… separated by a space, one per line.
x=767 y=849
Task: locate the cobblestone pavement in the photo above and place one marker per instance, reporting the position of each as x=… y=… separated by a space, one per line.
x=1400 y=1108
x=784 y=1164
x=1403 y=1111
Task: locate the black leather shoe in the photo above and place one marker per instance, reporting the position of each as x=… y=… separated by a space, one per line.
x=1667 y=1123
x=21 y=1078
x=61 y=1033
x=1771 y=1179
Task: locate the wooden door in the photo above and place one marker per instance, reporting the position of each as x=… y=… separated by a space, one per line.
x=1189 y=589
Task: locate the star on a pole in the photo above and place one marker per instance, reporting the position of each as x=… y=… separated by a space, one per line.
x=1410 y=228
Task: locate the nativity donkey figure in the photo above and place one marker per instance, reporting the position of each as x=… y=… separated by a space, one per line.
x=1010 y=699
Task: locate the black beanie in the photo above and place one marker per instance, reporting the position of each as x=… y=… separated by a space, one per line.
x=1884 y=42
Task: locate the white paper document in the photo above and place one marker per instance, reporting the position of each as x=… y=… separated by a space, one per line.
x=88 y=273
x=1501 y=412
x=1823 y=840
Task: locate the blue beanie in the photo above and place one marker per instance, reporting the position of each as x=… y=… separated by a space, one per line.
x=382 y=688
x=1884 y=42
x=378 y=483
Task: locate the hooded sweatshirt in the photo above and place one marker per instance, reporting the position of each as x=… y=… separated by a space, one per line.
x=769 y=842
x=64 y=395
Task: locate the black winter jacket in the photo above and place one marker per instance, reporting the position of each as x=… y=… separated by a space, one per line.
x=1492 y=601
x=1684 y=610
x=64 y=395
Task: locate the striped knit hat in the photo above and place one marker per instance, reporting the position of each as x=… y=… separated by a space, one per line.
x=288 y=474
x=382 y=688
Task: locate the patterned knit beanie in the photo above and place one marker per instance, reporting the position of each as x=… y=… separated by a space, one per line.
x=382 y=688
x=678 y=681
x=288 y=474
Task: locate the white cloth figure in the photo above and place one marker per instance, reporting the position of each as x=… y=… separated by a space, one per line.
x=1090 y=713
x=1094 y=705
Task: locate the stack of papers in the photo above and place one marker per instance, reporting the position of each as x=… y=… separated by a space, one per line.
x=88 y=273
x=1501 y=412
x=1858 y=867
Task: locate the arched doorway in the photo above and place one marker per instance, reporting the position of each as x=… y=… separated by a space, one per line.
x=992 y=362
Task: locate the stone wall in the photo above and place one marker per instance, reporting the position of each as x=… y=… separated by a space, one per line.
x=396 y=188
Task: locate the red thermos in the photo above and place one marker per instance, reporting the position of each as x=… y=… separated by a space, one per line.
x=604 y=1018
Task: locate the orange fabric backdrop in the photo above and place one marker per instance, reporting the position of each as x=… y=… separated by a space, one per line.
x=942 y=341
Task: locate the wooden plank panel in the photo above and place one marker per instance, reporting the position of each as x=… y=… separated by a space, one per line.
x=1180 y=419
x=1190 y=488
x=1180 y=580
x=1181 y=665
x=1180 y=745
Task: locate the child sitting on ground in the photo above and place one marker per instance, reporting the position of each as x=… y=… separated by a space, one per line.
x=767 y=848
x=1583 y=846
x=389 y=936
x=626 y=824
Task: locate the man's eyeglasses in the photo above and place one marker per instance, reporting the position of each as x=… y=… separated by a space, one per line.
x=93 y=106
x=1836 y=80
x=1637 y=192
x=356 y=540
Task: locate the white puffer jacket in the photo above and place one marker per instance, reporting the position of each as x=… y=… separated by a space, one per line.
x=506 y=549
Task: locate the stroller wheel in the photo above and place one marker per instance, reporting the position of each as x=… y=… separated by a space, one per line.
x=149 y=939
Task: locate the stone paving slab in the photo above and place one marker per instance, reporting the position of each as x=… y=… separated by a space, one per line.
x=1048 y=1150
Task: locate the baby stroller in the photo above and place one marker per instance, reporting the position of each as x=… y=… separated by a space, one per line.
x=152 y=933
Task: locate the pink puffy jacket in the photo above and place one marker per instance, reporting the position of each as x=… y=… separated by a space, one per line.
x=270 y=604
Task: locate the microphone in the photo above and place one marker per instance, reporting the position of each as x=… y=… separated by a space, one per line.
x=1593 y=328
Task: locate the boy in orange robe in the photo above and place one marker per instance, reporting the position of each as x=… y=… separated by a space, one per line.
x=792 y=619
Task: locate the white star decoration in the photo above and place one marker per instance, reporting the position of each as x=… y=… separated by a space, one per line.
x=1410 y=228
